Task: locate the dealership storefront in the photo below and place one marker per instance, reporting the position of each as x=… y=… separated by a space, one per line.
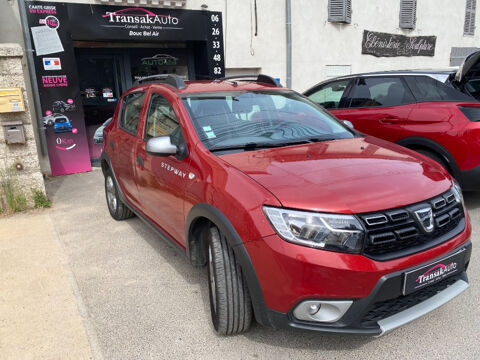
x=84 y=56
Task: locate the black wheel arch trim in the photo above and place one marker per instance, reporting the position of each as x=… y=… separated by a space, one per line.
x=204 y=210
x=432 y=145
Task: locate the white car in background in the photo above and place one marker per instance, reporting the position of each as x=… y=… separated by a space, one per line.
x=98 y=136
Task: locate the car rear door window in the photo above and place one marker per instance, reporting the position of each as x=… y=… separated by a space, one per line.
x=380 y=92
x=330 y=95
x=426 y=89
x=131 y=108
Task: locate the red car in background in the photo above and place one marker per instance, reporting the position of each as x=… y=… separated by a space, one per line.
x=435 y=113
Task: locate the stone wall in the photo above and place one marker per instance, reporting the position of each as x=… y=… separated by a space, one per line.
x=27 y=174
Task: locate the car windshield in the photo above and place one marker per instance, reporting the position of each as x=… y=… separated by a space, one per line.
x=61 y=120
x=255 y=119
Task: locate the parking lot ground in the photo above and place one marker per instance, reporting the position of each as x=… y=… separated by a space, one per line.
x=144 y=301
x=39 y=305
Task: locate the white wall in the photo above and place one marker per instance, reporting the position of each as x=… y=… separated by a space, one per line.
x=317 y=43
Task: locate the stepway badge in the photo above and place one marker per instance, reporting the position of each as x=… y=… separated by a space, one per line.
x=52 y=64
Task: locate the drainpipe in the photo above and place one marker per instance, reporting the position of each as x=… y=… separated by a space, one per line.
x=33 y=76
x=289 y=42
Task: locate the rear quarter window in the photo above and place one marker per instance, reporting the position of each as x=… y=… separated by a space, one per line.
x=425 y=89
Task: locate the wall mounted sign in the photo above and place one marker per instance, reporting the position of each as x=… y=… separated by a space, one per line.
x=389 y=45
x=138 y=24
x=57 y=83
x=53 y=27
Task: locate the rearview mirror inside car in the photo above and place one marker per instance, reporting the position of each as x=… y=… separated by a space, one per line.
x=348 y=124
x=338 y=87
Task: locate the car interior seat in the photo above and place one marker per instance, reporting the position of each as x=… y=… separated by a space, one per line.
x=395 y=95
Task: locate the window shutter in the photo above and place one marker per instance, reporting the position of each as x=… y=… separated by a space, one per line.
x=469 y=25
x=458 y=54
x=340 y=11
x=408 y=14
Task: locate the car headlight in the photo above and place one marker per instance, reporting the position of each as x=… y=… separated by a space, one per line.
x=324 y=231
x=457 y=192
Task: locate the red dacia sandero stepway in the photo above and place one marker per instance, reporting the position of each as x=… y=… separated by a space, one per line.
x=301 y=221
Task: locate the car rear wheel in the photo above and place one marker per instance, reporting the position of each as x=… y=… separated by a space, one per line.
x=116 y=207
x=230 y=302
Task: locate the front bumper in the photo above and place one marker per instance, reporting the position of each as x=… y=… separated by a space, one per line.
x=376 y=288
x=386 y=308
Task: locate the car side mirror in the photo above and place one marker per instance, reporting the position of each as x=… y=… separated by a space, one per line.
x=161 y=146
x=348 y=124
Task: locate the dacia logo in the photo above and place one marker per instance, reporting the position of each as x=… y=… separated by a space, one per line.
x=425 y=217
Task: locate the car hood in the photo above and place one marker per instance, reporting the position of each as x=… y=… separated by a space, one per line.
x=346 y=176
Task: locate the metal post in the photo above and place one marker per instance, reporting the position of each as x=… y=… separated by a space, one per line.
x=289 y=42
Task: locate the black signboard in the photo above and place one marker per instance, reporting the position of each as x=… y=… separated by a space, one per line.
x=140 y=24
x=215 y=45
x=389 y=45
x=106 y=22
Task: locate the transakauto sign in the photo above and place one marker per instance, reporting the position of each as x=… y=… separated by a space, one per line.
x=140 y=16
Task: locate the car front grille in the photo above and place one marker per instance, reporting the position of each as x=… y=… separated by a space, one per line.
x=399 y=232
x=384 y=309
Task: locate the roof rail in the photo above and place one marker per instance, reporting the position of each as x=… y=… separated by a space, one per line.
x=169 y=79
x=265 y=79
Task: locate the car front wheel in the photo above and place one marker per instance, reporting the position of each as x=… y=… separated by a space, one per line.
x=230 y=303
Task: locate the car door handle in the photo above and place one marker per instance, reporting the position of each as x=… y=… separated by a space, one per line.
x=390 y=120
x=140 y=161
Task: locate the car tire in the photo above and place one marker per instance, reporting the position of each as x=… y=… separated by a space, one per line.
x=435 y=157
x=230 y=303
x=50 y=123
x=117 y=208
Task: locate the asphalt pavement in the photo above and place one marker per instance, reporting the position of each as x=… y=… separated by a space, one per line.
x=145 y=301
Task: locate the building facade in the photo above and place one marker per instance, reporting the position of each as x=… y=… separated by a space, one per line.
x=79 y=56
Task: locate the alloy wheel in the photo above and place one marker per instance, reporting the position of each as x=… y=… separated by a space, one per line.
x=111 y=194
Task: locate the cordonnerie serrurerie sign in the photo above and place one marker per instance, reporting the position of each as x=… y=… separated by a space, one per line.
x=384 y=44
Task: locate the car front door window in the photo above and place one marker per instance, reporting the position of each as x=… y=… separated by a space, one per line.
x=161 y=120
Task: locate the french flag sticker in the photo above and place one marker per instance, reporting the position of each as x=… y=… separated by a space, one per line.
x=52 y=64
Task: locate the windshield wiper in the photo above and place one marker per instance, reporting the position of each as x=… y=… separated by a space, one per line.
x=319 y=139
x=255 y=146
